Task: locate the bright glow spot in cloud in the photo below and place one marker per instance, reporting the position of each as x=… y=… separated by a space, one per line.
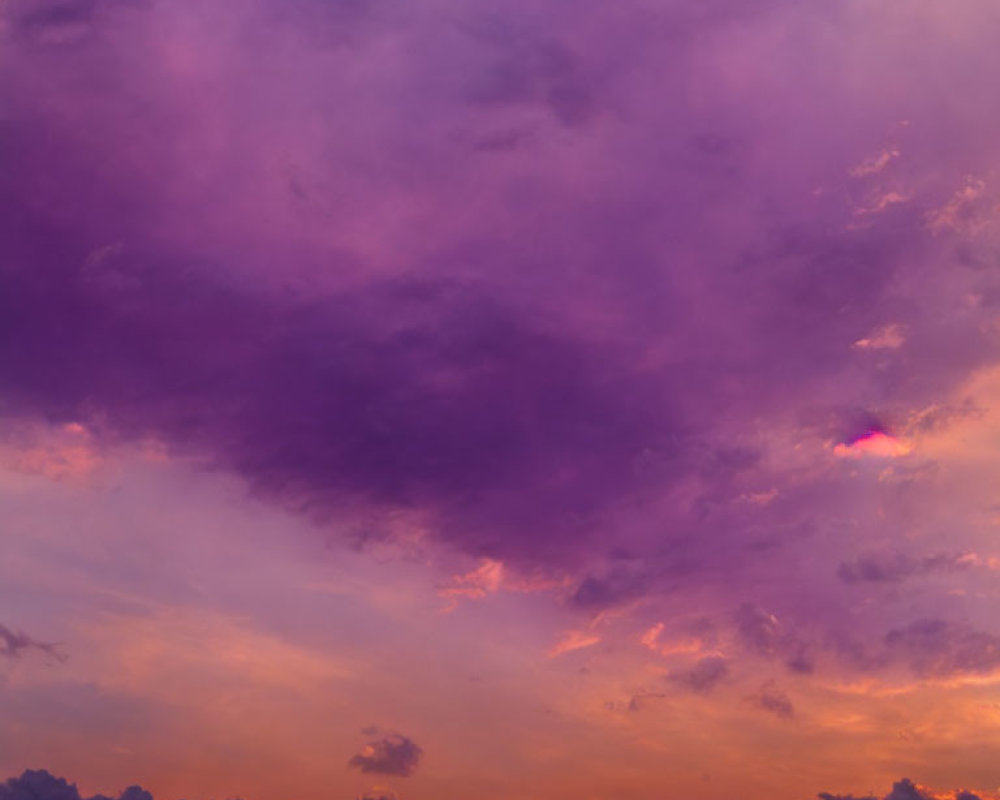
x=876 y=164
x=649 y=637
x=485 y=578
x=760 y=498
x=888 y=337
x=963 y=213
x=882 y=203
x=62 y=453
x=651 y=640
x=491 y=576
x=873 y=443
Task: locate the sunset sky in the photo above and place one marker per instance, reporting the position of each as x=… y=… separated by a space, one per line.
x=500 y=399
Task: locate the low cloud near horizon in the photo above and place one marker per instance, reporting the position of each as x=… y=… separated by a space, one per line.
x=42 y=785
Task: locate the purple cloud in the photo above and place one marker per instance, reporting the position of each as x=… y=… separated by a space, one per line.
x=941 y=648
x=42 y=785
x=762 y=633
x=704 y=676
x=774 y=701
x=896 y=567
x=901 y=790
x=573 y=306
x=13 y=643
x=393 y=754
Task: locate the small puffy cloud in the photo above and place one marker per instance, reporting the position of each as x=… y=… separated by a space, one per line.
x=637 y=701
x=940 y=648
x=774 y=701
x=896 y=567
x=704 y=676
x=393 y=754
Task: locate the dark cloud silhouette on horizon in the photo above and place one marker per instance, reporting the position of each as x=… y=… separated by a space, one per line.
x=42 y=785
x=904 y=789
x=39 y=784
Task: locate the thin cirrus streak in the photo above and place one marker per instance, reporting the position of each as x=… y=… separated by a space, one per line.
x=577 y=399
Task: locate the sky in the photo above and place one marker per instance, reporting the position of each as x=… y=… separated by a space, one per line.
x=537 y=399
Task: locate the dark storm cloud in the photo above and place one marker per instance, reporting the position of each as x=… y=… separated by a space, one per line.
x=278 y=250
x=457 y=404
x=393 y=754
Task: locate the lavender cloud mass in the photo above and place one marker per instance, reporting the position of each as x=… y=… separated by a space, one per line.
x=656 y=341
